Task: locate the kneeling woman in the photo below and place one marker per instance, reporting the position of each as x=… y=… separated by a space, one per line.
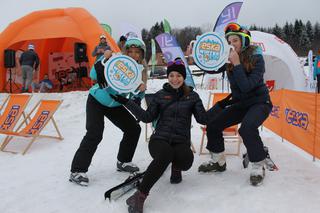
x=173 y=106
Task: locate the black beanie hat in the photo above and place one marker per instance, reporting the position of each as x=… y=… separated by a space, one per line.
x=178 y=66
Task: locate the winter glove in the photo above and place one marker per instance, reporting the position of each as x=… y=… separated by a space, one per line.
x=120 y=99
x=225 y=102
x=137 y=100
x=101 y=80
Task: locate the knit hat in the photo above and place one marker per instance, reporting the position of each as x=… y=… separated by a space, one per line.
x=241 y=31
x=178 y=66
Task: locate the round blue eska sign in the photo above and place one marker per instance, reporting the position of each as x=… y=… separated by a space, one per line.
x=123 y=73
x=210 y=51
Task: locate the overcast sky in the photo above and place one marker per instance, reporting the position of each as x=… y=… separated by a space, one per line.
x=180 y=13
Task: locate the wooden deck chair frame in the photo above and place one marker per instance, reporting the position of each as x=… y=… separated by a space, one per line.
x=152 y=128
x=26 y=130
x=230 y=134
x=12 y=113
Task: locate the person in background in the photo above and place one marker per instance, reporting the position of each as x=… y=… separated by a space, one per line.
x=43 y=86
x=121 y=43
x=172 y=108
x=316 y=70
x=29 y=62
x=101 y=105
x=250 y=106
x=101 y=47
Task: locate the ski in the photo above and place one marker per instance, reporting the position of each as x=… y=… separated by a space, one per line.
x=130 y=183
x=270 y=165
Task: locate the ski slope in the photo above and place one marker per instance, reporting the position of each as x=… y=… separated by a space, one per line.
x=38 y=181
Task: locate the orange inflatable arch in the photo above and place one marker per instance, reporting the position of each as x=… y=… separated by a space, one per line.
x=54 y=30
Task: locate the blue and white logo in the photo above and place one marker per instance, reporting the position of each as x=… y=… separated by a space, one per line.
x=123 y=74
x=210 y=51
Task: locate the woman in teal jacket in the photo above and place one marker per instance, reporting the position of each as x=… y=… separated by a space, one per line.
x=316 y=71
x=100 y=105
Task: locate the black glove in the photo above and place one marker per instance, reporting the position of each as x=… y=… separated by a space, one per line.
x=120 y=99
x=225 y=102
x=101 y=80
x=137 y=100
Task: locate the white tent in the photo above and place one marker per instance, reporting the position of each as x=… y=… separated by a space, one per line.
x=282 y=63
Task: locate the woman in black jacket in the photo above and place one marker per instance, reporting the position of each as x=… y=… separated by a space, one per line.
x=251 y=106
x=173 y=106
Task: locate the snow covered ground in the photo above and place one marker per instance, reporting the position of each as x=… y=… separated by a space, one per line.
x=38 y=181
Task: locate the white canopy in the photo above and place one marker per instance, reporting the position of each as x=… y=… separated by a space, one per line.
x=282 y=63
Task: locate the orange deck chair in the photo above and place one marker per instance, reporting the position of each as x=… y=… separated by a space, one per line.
x=15 y=105
x=230 y=134
x=45 y=111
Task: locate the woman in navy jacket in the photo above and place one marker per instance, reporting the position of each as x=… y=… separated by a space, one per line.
x=251 y=106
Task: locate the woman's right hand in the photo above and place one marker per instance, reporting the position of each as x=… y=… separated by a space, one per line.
x=234 y=57
x=142 y=87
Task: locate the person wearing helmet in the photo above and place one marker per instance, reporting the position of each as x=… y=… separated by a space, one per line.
x=250 y=104
x=101 y=47
x=29 y=62
x=136 y=49
x=100 y=105
x=316 y=70
x=122 y=42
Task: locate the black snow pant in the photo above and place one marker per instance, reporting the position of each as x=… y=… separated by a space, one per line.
x=180 y=155
x=250 y=118
x=121 y=118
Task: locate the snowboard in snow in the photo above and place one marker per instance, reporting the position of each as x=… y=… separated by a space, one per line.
x=130 y=183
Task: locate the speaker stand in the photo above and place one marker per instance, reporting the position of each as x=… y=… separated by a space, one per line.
x=79 y=77
x=10 y=82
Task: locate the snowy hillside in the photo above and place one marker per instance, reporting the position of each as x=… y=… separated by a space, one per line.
x=38 y=181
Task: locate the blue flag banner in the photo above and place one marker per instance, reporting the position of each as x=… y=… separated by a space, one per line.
x=171 y=50
x=229 y=14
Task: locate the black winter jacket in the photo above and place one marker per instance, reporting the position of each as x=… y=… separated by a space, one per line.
x=174 y=111
x=29 y=58
x=249 y=87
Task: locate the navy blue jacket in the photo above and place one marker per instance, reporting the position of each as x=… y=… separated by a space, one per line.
x=29 y=58
x=249 y=87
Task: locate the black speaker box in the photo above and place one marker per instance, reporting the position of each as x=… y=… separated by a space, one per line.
x=80 y=52
x=9 y=58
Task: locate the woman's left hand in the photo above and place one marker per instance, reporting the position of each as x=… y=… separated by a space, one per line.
x=142 y=87
x=234 y=57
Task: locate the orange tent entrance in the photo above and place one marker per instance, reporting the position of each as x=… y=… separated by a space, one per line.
x=53 y=32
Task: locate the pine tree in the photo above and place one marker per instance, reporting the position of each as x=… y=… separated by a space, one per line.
x=278 y=31
x=309 y=30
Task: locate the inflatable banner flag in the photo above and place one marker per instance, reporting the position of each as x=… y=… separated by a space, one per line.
x=107 y=28
x=153 y=54
x=171 y=50
x=166 y=26
x=229 y=14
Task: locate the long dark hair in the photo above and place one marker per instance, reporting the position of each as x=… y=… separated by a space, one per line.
x=186 y=89
x=246 y=59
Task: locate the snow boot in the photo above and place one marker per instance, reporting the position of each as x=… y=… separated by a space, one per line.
x=79 y=178
x=257 y=173
x=176 y=176
x=127 y=167
x=136 y=201
x=216 y=164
